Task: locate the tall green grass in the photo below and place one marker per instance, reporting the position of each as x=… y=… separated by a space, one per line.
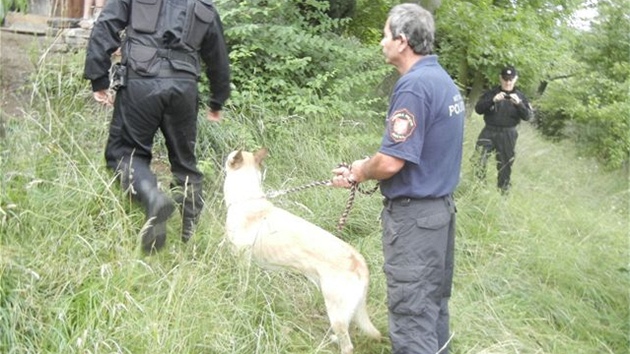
x=544 y=269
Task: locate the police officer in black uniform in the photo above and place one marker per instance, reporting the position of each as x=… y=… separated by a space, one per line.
x=164 y=45
x=503 y=107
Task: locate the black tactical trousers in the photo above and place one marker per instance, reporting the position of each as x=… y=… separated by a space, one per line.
x=501 y=141
x=418 y=247
x=167 y=102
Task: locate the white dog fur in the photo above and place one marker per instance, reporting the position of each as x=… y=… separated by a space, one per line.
x=275 y=238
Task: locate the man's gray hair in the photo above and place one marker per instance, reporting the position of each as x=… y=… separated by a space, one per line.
x=416 y=24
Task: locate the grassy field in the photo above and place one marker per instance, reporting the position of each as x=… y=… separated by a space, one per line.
x=545 y=269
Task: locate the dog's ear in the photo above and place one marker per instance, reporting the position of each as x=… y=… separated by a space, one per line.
x=260 y=155
x=236 y=160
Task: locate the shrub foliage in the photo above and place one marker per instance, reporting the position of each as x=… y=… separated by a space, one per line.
x=296 y=62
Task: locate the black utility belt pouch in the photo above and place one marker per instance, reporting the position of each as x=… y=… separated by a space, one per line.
x=198 y=19
x=144 y=60
x=144 y=15
x=117 y=76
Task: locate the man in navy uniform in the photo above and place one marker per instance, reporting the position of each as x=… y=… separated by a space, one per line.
x=418 y=166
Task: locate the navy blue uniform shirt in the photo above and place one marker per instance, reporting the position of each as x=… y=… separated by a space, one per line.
x=425 y=127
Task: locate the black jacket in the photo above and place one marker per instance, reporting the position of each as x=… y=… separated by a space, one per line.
x=163 y=32
x=503 y=113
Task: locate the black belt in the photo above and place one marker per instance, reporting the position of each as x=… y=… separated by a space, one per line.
x=165 y=71
x=405 y=201
x=176 y=55
x=400 y=200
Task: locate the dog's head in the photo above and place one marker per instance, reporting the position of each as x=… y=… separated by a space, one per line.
x=243 y=175
x=239 y=158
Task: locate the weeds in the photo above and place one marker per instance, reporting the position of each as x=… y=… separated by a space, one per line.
x=543 y=270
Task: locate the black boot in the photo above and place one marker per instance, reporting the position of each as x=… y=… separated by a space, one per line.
x=158 y=208
x=188 y=228
x=189 y=197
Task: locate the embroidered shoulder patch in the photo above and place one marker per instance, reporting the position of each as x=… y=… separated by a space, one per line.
x=401 y=125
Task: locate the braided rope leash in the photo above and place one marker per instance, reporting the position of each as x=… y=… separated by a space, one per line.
x=346 y=211
x=353 y=190
x=275 y=194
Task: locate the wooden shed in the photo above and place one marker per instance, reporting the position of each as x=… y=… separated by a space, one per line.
x=43 y=17
x=56 y=8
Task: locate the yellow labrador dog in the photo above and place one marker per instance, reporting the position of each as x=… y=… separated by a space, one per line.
x=275 y=238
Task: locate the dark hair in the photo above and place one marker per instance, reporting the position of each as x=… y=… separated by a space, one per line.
x=416 y=24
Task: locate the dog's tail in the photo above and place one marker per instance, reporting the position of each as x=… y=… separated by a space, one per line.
x=362 y=320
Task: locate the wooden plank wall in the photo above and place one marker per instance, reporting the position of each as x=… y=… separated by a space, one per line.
x=67 y=8
x=57 y=8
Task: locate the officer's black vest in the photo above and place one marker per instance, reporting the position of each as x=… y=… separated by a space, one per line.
x=143 y=49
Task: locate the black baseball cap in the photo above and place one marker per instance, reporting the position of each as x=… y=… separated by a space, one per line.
x=509 y=72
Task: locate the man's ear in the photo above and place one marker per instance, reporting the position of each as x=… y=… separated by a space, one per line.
x=404 y=42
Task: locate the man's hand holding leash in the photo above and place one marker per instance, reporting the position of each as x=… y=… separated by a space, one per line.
x=377 y=167
x=346 y=177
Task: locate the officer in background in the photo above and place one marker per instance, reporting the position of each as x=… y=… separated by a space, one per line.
x=503 y=107
x=165 y=44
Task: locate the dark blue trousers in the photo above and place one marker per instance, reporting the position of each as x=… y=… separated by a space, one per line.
x=418 y=246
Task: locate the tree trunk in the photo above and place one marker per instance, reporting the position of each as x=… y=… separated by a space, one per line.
x=476 y=90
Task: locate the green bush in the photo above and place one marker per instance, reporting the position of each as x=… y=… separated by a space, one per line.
x=592 y=111
x=283 y=61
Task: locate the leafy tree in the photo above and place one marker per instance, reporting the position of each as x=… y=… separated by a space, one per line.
x=591 y=106
x=476 y=38
x=581 y=77
x=302 y=63
x=367 y=24
x=333 y=8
